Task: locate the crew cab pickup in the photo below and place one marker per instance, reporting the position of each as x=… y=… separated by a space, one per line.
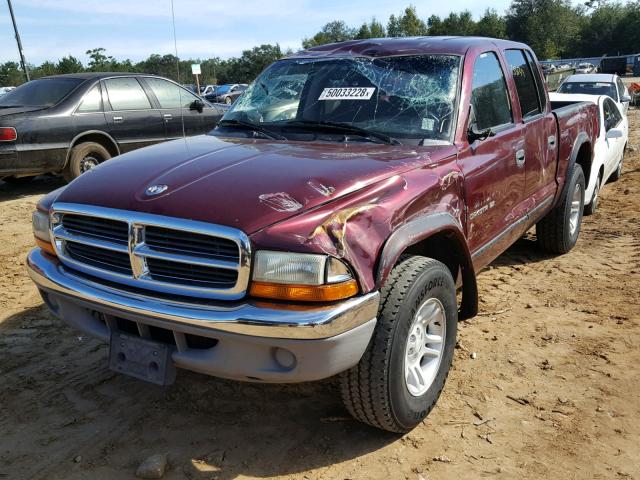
x=326 y=225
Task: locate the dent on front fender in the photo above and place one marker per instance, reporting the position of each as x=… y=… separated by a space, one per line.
x=356 y=227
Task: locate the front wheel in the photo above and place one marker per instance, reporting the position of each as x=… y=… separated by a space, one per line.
x=401 y=374
x=558 y=231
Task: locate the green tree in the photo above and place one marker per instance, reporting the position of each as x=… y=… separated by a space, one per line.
x=373 y=29
x=69 y=64
x=491 y=25
x=252 y=62
x=407 y=24
x=332 y=32
x=550 y=27
x=11 y=74
x=459 y=24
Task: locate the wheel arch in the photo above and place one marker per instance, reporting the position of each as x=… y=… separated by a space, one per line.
x=438 y=236
x=97 y=136
x=582 y=154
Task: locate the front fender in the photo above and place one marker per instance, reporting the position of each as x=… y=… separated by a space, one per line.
x=445 y=226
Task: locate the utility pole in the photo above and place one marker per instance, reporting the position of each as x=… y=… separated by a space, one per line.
x=25 y=69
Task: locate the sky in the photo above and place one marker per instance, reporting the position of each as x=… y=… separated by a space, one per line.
x=134 y=29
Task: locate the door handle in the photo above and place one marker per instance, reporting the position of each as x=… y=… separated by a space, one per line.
x=520 y=158
x=118 y=119
x=167 y=117
x=551 y=141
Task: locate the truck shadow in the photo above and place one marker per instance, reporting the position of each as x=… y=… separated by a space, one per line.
x=207 y=426
x=523 y=251
x=40 y=185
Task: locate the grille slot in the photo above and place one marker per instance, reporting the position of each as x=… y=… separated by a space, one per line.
x=190 y=274
x=189 y=243
x=99 y=257
x=96 y=227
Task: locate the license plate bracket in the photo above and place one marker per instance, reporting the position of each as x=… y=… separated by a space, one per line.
x=141 y=358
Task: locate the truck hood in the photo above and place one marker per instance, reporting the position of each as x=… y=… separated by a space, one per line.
x=242 y=183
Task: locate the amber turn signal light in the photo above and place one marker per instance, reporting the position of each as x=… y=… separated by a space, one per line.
x=46 y=246
x=305 y=293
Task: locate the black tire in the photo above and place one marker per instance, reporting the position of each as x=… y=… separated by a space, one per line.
x=590 y=209
x=553 y=232
x=19 y=180
x=375 y=391
x=83 y=157
x=615 y=176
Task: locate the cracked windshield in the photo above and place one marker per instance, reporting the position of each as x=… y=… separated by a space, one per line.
x=404 y=99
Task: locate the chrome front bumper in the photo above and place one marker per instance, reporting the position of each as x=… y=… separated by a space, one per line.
x=323 y=339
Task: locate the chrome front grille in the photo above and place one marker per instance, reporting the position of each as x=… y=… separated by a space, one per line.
x=169 y=255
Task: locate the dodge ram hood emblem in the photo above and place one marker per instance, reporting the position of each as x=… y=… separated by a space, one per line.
x=156 y=189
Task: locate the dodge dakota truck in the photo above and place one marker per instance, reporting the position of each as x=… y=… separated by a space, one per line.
x=331 y=225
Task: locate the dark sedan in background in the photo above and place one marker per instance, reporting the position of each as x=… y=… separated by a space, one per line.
x=70 y=123
x=226 y=93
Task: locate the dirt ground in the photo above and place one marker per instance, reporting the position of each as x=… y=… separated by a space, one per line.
x=545 y=382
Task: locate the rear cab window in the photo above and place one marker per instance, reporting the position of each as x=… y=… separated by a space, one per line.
x=490 y=96
x=126 y=93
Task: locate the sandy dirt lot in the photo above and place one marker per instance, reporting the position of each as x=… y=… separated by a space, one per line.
x=545 y=382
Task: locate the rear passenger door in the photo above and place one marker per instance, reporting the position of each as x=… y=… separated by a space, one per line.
x=539 y=126
x=131 y=118
x=494 y=181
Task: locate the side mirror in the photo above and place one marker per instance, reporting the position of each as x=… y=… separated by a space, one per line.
x=614 y=133
x=625 y=99
x=197 y=105
x=474 y=134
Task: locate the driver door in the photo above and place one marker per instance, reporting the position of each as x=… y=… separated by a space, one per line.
x=176 y=106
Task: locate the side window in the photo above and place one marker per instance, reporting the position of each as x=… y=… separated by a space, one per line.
x=620 y=88
x=169 y=94
x=525 y=84
x=612 y=116
x=539 y=83
x=489 y=95
x=92 y=101
x=126 y=94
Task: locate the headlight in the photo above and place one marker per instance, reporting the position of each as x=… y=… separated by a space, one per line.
x=40 y=223
x=301 y=277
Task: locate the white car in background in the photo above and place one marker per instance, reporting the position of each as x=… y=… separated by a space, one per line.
x=598 y=84
x=610 y=146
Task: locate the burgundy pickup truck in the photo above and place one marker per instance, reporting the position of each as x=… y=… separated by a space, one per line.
x=326 y=225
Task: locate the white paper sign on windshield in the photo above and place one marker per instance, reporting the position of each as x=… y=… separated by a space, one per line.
x=347 y=93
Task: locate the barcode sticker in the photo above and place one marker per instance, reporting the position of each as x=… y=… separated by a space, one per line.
x=347 y=93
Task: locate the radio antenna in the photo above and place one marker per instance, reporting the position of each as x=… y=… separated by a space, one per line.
x=175 y=47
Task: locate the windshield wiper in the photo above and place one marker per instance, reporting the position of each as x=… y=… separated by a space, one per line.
x=251 y=126
x=344 y=128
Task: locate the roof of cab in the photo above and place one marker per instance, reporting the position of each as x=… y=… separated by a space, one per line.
x=384 y=47
x=97 y=75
